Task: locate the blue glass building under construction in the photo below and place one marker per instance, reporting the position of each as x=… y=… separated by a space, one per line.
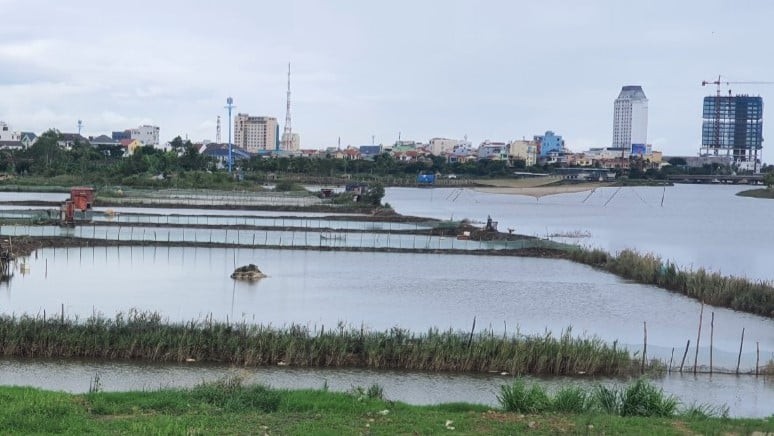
x=733 y=126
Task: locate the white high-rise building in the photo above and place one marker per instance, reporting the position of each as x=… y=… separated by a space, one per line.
x=438 y=146
x=254 y=134
x=630 y=120
x=148 y=135
x=7 y=134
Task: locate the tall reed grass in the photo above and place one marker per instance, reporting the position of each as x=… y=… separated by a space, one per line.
x=756 y=297
x=145 y=336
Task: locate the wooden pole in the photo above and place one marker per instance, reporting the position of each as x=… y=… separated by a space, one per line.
x=687 y=344
x=757 y=356
x=644 y=346
x=712 y=333
x=669 y=369
x=739 y=359
x=470 y=338
x=698 y=337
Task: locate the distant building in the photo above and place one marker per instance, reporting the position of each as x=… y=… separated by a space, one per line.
x=550 y=143
x=524 y=150
x=733 y=126
x=28 y=139
x=370 y=151
x=439 y=146
x=103 y=141
x=254 y=134
x=68 y=140
x=630 y=120
x=220 y=153
x=493 y=151
x=294 y=144
x=148 y=135
x=121 y=135
x=7 y=134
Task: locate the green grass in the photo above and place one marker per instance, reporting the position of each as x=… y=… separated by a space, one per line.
x=229 y=407
x=145 y=336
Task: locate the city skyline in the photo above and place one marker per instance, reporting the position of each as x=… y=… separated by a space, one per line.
x=492 y=70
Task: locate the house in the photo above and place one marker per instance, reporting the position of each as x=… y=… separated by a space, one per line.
x=524 y=150
x=492 y=151
x=220 y=153
x=103 y=141
x=68 y=140
x=11 y=145
x=28 y=139
x=130 y=145
x=369 y=152
x=351 y=153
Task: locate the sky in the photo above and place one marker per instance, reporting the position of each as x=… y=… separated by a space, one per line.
x=497 y=70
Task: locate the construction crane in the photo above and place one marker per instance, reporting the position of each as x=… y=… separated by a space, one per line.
x=716 y=122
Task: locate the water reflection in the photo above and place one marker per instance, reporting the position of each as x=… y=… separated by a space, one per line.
x=745 y=396
x=382 y=290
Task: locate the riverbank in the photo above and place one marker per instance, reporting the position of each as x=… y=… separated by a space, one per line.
x=228 y=407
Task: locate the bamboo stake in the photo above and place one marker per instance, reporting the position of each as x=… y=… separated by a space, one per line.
x=470 y=338
x=739 y=359
x=669 y=369
x=687 y=344
x=757 y=356
x=644 y=346
x=712 y=333
x=698 y=337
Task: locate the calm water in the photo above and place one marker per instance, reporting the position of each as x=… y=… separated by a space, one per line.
x=377 y=290
x=698 y=225
x=744 y=396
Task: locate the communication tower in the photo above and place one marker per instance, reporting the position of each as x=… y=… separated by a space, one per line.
x=217 y=131
x=80 y=126
x=287 y=133
x=229 y=106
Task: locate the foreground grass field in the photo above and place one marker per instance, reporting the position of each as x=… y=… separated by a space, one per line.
x=228 y=407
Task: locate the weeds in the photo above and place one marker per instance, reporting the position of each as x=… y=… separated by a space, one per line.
x=638 y=399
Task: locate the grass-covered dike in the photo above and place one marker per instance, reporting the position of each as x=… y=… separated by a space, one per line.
x=231 y=407
x=738 y=293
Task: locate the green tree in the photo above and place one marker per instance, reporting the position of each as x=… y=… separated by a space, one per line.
x=768 y=179
x=374 y=194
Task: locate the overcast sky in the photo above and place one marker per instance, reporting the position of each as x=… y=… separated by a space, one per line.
x=497 y=70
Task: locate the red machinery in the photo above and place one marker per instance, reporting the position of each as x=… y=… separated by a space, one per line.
x=81 y=199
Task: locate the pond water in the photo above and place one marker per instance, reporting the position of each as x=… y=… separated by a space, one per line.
x=379 y=291
x=744 y=395
x=697 y=225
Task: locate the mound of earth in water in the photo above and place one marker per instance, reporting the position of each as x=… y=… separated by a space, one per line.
x=247 y=272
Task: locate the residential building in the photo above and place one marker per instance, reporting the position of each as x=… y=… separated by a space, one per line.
x=524 y=150
x=254 y=134
x=120 y=135
x=28 y=139
x=68 y=140
x=7 y=134
x=549 y=143
x=630 y=120
x=439 y=146
x=148 y=135
x=130 y=145
x=493 y=151
x=103 y=141
x=220 y=153
x=11 y=145
x=370 y=151
x=733 y=126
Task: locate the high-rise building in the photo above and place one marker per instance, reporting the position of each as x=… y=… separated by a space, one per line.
x=630 y=120
x=732 y=126
x=254 y=134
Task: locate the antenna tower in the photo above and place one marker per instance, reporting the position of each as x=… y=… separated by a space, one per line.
x=80 y=125
x=217 y=131
x=287 y=133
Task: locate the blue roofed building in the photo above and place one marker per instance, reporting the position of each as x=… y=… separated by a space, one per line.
x=220 y=153
x=370 y=151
